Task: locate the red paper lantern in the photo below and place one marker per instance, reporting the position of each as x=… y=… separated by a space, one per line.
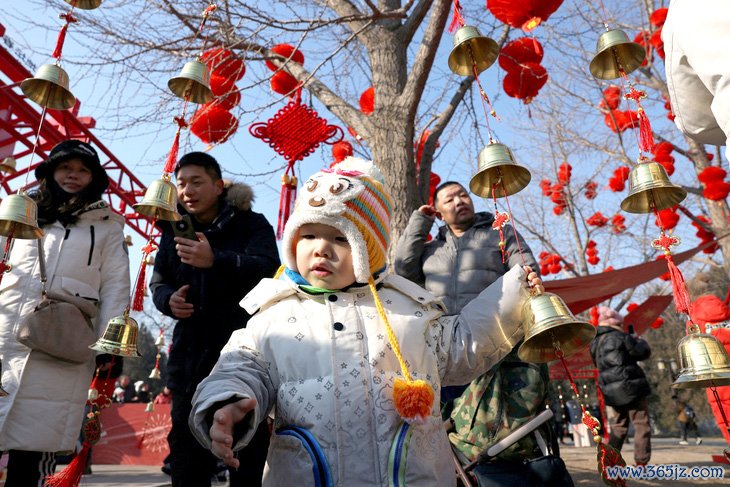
x=287 y=51
x=716 y=190
x=611 y=98
x=668 y=218
x=711 y=174
x=642 y=38
x=213 y=125
x=523 y=14
x=520 y=51
x=229 y=101
x=597 y=220
x=225 y=63
x=341 y=150
x=221 y=85
x=283 y=83
x=526 y=82
x=617 y=222
x=591 y=190
x=658 y=17
x=657 y=323
x=433 y=183
x=564 y=172
x=656 y=41
x=367 y=101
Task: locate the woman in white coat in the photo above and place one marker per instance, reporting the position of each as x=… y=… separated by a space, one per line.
x=85 y=254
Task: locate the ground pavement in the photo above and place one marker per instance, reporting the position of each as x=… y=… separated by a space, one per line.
x=581 y=464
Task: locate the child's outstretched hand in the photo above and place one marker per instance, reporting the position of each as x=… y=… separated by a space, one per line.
x=534 y=280
x=221 y=433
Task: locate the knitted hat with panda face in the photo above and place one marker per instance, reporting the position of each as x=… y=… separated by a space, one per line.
x=351 y=198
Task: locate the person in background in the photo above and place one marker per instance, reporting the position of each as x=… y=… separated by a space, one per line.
x=85 y=255
x=164 y=397
x=142 y=389
x=623 y=382
x=129 y=392
x=687 y=420
x=348 y=357
x=200 y=282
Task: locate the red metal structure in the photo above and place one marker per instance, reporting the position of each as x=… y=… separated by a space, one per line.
x=19 y=122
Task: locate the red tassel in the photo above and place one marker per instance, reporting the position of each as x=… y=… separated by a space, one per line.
x=646 y=136
x=457 y=19
x=679 y=288
x=172 y=156
x=138 y=299
x=286 y=202
x=59 y=42
x=4 y=266
x=70 y=476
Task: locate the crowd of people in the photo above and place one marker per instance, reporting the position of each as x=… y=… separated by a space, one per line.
x=334 y=365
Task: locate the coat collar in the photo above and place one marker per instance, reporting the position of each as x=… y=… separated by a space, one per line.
x=481 y=219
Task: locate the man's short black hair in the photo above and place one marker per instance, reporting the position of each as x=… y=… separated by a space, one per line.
x=442 y=186
x=203 y=160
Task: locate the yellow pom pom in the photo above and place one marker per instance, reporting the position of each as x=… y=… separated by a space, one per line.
x=413 y=400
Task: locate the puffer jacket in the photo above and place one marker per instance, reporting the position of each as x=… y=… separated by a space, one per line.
x=244 y=251
x=455 y=269
x=324 y=363
x=616 y=354
x=89 y=259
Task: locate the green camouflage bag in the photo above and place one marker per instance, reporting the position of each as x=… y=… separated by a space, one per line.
x=497 y=403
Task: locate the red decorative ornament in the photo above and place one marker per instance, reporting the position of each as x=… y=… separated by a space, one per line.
x=611 y=98
x=367 y=101
x=228 y=101
x=617 y=222
x=564 y=172
x=617 y=183
x=518 y=52
x=594 y=316
x=597 y=220
x=642 y=38
x=288 y=51
x=679 y=288
x=657 y=43
x=221 y=85
x=591 y=188
x=667 y=218
x=523 y=14
x=213 y=125
x=433 y=182
x=525 y=83
x=141 y=282
x=294 y=132
x=705 y=235
x=284 y=84
x=658 y=17
x=546 y=187
x=341 y=150
x=224 y=63
x=657 y=323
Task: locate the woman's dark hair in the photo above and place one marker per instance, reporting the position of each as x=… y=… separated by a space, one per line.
x=55 y=204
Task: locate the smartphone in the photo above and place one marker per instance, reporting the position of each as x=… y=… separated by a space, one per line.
x=184 y=228
x=631 y=329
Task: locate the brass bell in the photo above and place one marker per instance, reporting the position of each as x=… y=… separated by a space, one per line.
x=19 y=217
x=498 y=169
x=614 y=51
x=160 y=201
x=120 y=337
x=149 y=260
x=84 y=4
x=703 y=361
x=470 y=48
x=150 y=407
x=8 y=165
x=155 y=374
x=193 y=83
x=49 y=88
x=128 y=240
x=650 y=188
x=160 y=342
x=549 y=323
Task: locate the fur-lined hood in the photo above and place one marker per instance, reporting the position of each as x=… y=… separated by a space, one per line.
x=238 y=195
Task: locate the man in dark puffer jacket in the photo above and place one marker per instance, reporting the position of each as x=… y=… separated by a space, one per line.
x=623 y=382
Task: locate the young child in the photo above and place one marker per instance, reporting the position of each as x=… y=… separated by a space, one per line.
x=347 y=358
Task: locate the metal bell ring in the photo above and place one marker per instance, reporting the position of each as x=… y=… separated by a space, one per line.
x=650 y=189
x=160 y=201
x=498 y=169
x=703 y=361
x=471 y=48
x=19 y=217
x=120 y=337
x=615 y=51
x=49 y=88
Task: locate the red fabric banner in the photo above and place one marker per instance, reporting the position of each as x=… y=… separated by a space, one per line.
x=648 y=311
x=132 y=436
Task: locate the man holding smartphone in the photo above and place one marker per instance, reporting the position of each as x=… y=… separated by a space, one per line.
x=199 y=278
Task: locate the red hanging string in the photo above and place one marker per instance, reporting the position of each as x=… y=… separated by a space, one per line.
x=4 y=266
x=457 y=19
x=62 y=34
x=172 y=156
x=286 y=199
x=679 y=287
x=139 y=286
x=719 y=405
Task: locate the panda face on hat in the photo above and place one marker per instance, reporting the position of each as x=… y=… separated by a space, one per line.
x=351 y=200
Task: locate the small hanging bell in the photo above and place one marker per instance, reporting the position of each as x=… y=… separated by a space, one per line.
x=703 y=361
x=193 y=83
x=120 y=337
x=8 y=165
x=471 y=49
x=149 y=260
x=84 y=4
x=160 y=201
x=498 y=173
x=155 y=374
x=614 y=53
x=19 y=217
x=550 y=324
x=150 y=407
x=650 y=189
x=49 y=88
x=160 y=341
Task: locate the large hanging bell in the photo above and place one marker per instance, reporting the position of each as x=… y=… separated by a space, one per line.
x=614 y=52
x=160 y=201
x=193 y=83
x=650 y=188
x=471 y=48
x=49 y=88
x=120 y=337
x=703 y=362
x=498 y=173
x=19 y=217
x=550 y=324
x=84 y=4
x=8 y=166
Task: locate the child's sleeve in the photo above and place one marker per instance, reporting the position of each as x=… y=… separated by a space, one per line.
x=240 y=373
x=486 y=330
